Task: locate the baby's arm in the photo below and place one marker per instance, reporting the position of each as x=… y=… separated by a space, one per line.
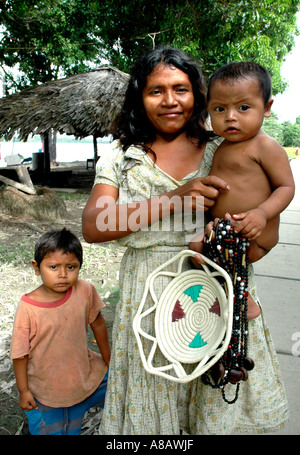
x=274 y=161
x=101 y=336
x=256 y=252
x=26 y=401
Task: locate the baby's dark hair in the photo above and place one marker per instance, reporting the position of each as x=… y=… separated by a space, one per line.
x=237 y=70
x=52 y=241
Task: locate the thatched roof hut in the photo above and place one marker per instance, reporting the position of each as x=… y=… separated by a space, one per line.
x=82 y=105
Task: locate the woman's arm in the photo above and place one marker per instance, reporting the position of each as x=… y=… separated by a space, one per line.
x=104 y=220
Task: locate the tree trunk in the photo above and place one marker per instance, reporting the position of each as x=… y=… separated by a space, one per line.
x=46 y=205
x=53 y=135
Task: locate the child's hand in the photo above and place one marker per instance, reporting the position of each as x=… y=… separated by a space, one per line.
x=27 y=401
x=251 y=224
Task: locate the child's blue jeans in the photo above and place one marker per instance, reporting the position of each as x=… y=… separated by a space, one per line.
x=64 y=421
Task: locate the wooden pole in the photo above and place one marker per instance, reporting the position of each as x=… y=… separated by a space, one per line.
x=95 y=150
x=46 y=153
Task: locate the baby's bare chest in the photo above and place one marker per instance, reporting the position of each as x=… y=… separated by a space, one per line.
x=237 y=160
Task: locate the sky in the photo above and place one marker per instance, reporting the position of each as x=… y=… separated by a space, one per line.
x=287 y=104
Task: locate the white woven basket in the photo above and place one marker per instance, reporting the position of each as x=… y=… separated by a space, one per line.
x=193 y=319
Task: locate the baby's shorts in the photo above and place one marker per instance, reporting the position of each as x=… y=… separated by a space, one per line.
x=64 y=421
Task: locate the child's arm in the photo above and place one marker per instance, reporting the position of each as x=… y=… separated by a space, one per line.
x=26 y=400
x=274 y=161
x=101 y=336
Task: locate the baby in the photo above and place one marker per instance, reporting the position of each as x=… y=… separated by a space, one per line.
x=253 y=164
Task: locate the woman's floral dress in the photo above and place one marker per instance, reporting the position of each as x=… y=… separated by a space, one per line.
x=140 y=403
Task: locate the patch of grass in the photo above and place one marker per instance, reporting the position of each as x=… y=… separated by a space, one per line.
x=82 y=196
x=17 y=254
x=94 y=258
x=291 y=151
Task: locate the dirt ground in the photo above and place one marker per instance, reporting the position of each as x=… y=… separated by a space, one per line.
x=17 y=239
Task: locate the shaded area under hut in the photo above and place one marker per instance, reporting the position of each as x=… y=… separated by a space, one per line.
x=82 y=105
x=86 y=104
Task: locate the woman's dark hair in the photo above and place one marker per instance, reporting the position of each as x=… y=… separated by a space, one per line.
x=238 y=70
x=133 y=126
x=57 y=240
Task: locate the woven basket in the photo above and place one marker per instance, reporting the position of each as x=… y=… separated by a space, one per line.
x=193 y=319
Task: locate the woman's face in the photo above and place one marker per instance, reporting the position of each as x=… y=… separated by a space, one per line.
x=168 y=99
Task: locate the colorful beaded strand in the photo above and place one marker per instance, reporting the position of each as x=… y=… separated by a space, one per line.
x=230 y=250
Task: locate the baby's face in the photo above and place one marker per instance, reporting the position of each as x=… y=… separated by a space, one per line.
x=237 y=109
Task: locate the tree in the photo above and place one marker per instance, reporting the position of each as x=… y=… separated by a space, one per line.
x=212 y=31
x=53 y=37
x=286 y=133
x=291 y=134
x=273 y=128
x=45 y=39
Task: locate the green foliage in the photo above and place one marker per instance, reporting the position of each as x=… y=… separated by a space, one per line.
x=217 y=32
x=291 y=134
x=44 y=38
x=286 y=133
x=273 y=128
x=51 y=38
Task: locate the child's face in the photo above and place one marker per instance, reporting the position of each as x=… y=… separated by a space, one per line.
x=59 y=272
x=237 y=109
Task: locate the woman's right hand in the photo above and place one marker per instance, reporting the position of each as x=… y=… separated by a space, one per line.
x=200 y=194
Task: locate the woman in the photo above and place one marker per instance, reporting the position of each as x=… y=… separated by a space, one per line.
x=158 y=168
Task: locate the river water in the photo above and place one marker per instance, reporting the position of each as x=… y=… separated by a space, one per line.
x=66 y=152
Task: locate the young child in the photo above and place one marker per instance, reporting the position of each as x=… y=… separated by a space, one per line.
x=57 y=376
x=254 y=165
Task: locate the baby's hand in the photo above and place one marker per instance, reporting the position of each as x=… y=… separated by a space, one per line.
x=27 y=401
x=251 y=224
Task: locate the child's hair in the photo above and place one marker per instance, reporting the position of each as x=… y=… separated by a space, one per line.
x=57 y=240
x=237 y=70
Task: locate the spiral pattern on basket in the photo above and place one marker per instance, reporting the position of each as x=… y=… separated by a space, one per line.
x=192 y=315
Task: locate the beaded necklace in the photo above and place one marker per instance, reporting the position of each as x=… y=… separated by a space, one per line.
x=230 y=250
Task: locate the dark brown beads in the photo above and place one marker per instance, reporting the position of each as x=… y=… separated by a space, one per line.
x=237 y=374
x=217 y=372
x=248 y=363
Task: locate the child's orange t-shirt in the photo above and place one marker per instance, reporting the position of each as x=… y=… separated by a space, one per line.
x=62 y=371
